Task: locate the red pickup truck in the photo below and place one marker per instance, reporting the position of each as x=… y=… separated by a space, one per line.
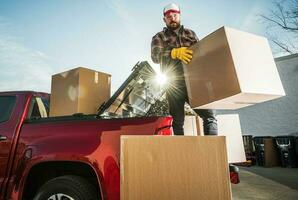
x=72 y=157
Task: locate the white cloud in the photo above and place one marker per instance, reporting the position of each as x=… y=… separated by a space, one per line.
x=119 y=8
x=21 y=68
x=252 y=18
x=128 y=18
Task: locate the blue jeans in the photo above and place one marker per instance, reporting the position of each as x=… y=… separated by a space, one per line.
x=177 y=98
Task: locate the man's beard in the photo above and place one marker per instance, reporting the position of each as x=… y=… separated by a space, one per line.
x=173 y=26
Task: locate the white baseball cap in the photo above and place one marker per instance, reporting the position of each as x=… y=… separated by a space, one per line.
x=171 y=8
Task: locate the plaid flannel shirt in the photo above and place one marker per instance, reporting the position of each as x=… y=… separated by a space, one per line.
x=164 y=41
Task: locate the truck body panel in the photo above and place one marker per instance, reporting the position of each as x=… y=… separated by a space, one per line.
x=35 y=148
x=85 y=139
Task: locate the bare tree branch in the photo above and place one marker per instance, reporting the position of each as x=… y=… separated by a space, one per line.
x=282 y=22
x=284 y=26
x=282 y=46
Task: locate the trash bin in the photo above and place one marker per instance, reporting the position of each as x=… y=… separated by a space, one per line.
x=297 y=148
x=248 y=144
x=249 y=150
x=288 y=150
x=260 y=149
x=266 y=151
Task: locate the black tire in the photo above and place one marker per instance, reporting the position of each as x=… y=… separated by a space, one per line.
x=75 y=187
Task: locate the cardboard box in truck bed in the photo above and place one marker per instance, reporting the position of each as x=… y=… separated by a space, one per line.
x=193 y=126
x=79 y=90
x=232 y=69
x=174 y=168
x=229 y=126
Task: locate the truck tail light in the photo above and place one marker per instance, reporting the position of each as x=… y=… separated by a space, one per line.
x=234 y=174
x=165 y=131
x=165 y=127
x=234 y=177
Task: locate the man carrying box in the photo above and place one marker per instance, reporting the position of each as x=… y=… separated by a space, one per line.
x=169 y=48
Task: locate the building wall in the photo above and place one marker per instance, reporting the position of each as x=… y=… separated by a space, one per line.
x=276 y=117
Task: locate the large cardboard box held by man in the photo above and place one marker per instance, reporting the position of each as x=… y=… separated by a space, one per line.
x=174 y=168
x=79 y=90
x=231 y=69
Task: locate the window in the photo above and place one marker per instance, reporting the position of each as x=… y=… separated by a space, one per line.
x=37 y=109
x=6 y=105
x=136 y=96
x=46 y=104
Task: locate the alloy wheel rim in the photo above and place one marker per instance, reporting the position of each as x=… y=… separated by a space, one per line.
x=60 y=196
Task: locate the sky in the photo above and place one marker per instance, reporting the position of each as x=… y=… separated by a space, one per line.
x=42 y=38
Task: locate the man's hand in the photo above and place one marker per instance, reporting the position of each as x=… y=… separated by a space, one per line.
x=182 y=53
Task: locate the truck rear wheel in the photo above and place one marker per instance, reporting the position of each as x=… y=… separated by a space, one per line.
x=67 y=188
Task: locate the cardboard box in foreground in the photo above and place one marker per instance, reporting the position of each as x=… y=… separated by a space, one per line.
x=231 y=69
x=79 y=90
x=174 y=168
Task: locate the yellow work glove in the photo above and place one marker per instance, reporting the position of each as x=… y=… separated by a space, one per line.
x=182 y=53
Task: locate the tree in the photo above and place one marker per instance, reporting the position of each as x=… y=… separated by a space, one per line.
x=282 y=26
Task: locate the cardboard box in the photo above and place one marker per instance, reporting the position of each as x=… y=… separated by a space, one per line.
x=231 y=69
x=229 y=126
x=174 y=168
x=79 y=90
x=193 y=126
